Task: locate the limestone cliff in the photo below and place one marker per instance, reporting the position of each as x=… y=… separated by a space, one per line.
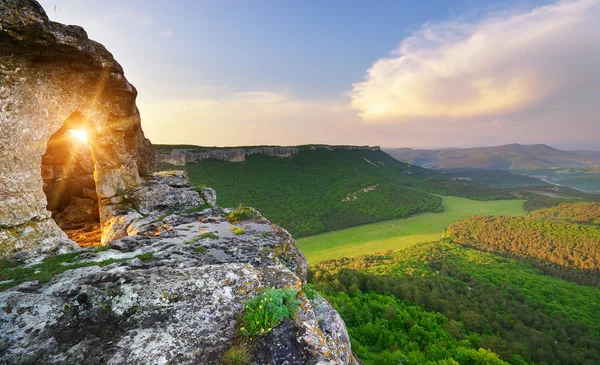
x=171 y=280
x=181 y=156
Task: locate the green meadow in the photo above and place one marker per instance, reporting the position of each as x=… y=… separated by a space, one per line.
x=400 y=233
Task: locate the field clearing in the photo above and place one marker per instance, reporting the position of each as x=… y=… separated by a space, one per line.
x=400 y=233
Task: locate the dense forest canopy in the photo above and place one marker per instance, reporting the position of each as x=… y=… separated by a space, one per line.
x=562 y=248
x=580 y=212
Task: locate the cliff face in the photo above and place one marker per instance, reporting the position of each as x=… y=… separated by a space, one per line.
x=174 y=276
x=181 y=156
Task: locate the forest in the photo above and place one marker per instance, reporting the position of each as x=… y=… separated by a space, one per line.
x=308 y=192
x=442 y=302
x=562 y=248
x=580 y=212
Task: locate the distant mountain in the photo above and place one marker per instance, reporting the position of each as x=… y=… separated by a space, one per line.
x=510 y=156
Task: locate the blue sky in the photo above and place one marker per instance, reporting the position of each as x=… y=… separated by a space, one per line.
x=284 y=72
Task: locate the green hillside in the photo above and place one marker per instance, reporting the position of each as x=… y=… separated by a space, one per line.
x=318 y=190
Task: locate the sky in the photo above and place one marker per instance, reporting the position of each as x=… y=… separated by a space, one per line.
x=426 y=74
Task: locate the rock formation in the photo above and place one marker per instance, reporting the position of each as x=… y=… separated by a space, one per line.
x=54 y=79
x=181 y=156
x=172 y=280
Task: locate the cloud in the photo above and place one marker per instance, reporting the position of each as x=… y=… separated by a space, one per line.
x=499 y=66
x=167 y=33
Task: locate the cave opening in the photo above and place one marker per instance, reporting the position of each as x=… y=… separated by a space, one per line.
x=68 y=176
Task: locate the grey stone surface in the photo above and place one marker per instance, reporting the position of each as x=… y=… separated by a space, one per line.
x=180 y=306
x=209 y=195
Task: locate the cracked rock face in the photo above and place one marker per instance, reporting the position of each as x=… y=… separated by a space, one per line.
x=173 y=294
x=48 y=73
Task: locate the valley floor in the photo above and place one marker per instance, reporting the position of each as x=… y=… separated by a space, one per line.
x=400 y=233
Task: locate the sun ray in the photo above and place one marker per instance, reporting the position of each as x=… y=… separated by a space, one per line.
x=79 y=134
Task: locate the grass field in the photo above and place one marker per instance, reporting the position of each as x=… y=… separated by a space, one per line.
x=400 y=233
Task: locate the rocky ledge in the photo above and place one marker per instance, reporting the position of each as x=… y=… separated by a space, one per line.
x=172 y=293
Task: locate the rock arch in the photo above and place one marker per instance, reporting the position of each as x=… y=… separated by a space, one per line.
x=68 y=181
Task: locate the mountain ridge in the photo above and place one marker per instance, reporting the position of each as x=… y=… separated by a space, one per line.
x=504 y=157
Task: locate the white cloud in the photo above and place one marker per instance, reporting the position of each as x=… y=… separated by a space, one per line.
x=502 y=65
x=167 y=33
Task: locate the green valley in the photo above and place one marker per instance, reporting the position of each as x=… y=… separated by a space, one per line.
x=320 y=189
x=400 y=233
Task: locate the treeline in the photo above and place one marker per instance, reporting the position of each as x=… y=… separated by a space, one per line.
x=564 y=249
x=433 y=304
x=582 y=212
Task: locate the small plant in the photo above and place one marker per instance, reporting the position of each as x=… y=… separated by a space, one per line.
x=209 y=235
x=266 y=234
x=193 y=240
x=236 y=355
x=240 y=213
x=101 y=249
x=237 y=230
x=13 y=273
x=145 y=256
x=200 y=249
x=266 y=311
x=199 y=208
x=201 y=237
x=310 y=291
